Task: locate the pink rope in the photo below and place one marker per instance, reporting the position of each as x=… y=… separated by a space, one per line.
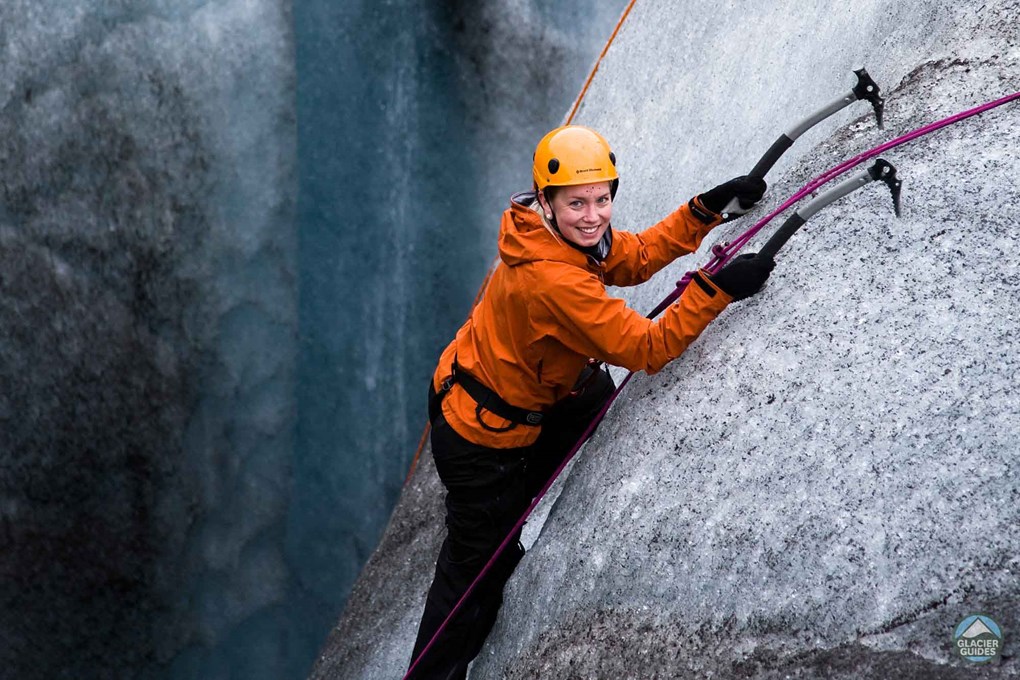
x=727 y=252
x=720 y=257
x=723 y=253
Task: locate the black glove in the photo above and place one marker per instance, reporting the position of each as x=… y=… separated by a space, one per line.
x=735 y=197
x=744 y=275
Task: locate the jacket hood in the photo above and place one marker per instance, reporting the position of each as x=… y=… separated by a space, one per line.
x=526 y=236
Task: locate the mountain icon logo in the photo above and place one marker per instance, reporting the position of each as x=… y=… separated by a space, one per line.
x=976 y=628
x=978 y=639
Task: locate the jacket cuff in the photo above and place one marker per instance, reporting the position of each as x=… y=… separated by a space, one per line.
x=704 y=281
x=704 y=215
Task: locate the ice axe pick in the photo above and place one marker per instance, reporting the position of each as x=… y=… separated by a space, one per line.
x=865 y=89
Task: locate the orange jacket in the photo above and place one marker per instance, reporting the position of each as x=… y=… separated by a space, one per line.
x=545 y=311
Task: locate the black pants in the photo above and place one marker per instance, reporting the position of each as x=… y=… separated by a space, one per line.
x=487 y=492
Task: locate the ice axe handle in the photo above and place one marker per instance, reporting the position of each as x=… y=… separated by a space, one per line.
x=798 y=219
x=787 y=139
x=766 y=162
x=782 y=235
x=880 y=170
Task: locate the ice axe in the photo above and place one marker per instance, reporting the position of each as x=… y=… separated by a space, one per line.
x=882 y=170
x=866 y=88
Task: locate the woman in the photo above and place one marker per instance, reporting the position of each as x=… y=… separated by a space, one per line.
x=515 y=390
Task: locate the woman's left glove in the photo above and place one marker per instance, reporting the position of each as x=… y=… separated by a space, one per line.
x=744 y=275
x=735 y=197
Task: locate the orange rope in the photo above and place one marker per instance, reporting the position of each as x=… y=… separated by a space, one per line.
x=417 y=454
x=595 y=68
x=492 y=267
x=428 y=426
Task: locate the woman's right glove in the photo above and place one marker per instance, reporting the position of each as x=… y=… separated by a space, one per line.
x=744 y=275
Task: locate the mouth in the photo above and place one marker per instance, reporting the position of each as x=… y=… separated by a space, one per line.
x=588 y=231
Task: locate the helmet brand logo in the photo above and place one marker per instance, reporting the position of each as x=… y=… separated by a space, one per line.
x=588 y=170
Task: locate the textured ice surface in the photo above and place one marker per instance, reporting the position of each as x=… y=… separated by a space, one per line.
x=826 y=483
x=147 y=313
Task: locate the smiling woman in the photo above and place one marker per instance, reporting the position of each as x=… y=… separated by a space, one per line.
x=581 y=213
x=521 y=382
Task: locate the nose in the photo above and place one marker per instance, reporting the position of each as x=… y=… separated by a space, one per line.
x=591 y=215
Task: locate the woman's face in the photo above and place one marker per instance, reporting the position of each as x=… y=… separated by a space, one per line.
x=583 y=212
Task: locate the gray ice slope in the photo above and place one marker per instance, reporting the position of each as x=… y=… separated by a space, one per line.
x=826 y=483
x=147 y=307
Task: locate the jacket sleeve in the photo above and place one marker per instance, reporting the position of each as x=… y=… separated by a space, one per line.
x=590 y=322
x=634 y=258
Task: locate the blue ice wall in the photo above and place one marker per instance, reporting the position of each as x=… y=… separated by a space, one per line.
x=416 y=120
x=377 y=114
x=165 y=313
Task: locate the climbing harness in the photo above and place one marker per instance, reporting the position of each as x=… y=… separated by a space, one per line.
x=486 y=400
x=722 y=254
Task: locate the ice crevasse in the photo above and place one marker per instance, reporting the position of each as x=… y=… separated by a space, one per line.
x=825 y=484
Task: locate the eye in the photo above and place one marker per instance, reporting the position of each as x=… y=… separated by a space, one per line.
x=576 y=204
x=603 y=200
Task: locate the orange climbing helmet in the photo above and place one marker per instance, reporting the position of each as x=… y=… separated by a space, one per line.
x=571 y=155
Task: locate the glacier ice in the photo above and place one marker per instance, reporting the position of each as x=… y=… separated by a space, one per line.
x=798 y=492
x=148 y=307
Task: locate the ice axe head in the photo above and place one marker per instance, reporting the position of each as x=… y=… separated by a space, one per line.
x=885 y=171
x=866 y=88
